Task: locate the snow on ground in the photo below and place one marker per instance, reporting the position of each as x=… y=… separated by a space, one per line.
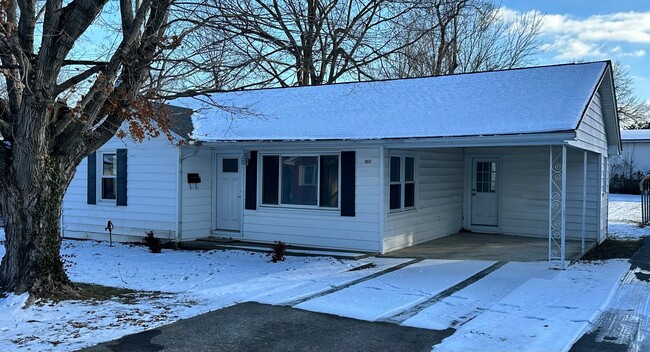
x=394 y=292
x=520 y=306
x=471 y=301
x=543 y=314
x=625 y=217
x=624 y=208
x=189 y=283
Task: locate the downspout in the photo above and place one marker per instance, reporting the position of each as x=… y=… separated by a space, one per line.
x=179 y=211
x=382 y=198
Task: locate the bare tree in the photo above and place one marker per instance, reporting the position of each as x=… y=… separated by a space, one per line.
x=44 y=138
x=464 y=36
x=304 y=42
x=633 y=112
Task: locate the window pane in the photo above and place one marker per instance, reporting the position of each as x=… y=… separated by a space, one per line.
x=395 y=195
x=395 y=169
x=230 y=165
x=299 y=183
x=409 y=169
x=329 y=181
x=108 y=164
x=108 y=188
x=270 y=179
x=409 y=195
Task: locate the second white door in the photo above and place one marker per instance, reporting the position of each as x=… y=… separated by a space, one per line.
x=485 y=192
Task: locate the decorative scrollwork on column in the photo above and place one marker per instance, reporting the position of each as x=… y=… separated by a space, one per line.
x=557 y=205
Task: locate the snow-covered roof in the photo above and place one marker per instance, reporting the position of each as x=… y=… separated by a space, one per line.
x=519 y=101
x=635 y=135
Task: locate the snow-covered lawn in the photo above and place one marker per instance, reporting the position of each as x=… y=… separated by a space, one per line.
x=625 y=217
x=519 y=306
x=189 y=283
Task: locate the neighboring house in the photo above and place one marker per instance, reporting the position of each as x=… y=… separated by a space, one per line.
x=370 y=166
x=636 y=150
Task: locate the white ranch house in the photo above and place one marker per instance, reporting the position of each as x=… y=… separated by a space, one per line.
x=371 y=166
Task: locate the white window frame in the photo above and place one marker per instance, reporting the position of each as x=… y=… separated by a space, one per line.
x=402 y=181
x=297 y=206
x=101 y=176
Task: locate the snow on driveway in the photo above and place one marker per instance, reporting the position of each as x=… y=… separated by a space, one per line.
x=473 y=300
x=397 y=291
x=543 y=314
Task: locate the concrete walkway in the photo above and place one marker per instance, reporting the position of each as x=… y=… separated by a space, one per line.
x=259 y=327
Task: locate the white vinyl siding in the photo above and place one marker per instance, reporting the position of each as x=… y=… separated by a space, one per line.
x=151 y=187
x=197 y=202
x=524 y=191
x=604 y=197
x=575 y=172
x=320 y=227
x=591 y=134
x=439 y=200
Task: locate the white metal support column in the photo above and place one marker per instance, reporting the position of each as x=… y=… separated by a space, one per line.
x=584 y=201
x=557 y=207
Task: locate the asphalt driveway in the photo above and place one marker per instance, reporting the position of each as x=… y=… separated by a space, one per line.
x=261 y=327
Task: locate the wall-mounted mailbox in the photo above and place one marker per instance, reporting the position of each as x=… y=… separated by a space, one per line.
x=193 y=179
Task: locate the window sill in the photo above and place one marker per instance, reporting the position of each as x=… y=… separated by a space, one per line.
x=105 y=203
x=405 y=211
x=306 y=210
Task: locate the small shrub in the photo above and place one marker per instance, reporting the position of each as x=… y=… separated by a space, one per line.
x=278 y=251
x=152 y=242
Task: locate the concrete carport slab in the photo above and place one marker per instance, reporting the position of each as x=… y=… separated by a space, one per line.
x=481 y=246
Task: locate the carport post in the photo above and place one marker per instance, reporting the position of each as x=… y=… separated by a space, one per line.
x=557 y=206
x=584 y=201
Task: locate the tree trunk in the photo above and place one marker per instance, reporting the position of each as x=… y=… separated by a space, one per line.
x=31 y=211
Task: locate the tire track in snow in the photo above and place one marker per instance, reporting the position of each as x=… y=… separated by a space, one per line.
x=351 y=283
x=402 y=316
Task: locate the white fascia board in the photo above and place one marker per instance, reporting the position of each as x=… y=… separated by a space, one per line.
x=537 y=139
x=517 y=140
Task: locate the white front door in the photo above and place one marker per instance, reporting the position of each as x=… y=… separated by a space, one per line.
x=485 y=192
x=228 y=193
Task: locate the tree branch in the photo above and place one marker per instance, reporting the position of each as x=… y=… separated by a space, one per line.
x=67 y=84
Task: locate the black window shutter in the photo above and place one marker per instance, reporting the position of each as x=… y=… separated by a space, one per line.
x=251 y=182
x=121 y=177
x=92 y=179
x=348 y=188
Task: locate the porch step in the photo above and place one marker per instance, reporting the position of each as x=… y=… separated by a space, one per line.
x=221 y=243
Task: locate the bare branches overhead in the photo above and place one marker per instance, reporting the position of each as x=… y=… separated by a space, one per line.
x=301 y=42
x=465 y=36
x=633 y=112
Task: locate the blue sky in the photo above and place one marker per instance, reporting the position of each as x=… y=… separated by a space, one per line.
x=579 y=30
